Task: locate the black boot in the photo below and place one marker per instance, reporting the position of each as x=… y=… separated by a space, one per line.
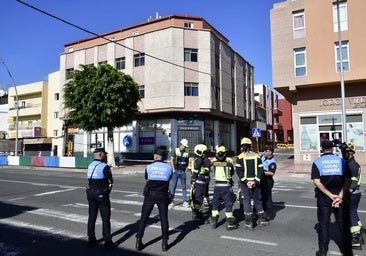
x=164 y=245
x=248 y=221
x=356 y=240
x=322 y=252
x=139 y=245
x=230 y=224
x=263 y=220
x=109 y=245
x=214 y=222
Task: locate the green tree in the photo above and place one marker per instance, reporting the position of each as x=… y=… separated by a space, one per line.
x=98 y=97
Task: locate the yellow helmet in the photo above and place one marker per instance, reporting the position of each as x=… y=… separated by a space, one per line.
x=200 y=149
x=347 y=146
x=221 y=149
x=246 y=141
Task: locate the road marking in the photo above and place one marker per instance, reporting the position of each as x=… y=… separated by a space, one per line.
x=249 y=240
x=54 y=192
x=42 y=230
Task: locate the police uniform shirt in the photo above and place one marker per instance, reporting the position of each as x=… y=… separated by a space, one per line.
x=269 y=164
x=99 y=175
x=331 y=170
x=158 y=174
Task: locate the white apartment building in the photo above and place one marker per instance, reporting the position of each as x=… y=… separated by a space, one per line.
x=193 y=85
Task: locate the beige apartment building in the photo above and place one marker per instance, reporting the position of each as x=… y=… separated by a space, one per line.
x=306 y=63
x=193 y=85
x=32 y=118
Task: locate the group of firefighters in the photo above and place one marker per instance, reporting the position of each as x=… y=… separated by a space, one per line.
x=255 y=175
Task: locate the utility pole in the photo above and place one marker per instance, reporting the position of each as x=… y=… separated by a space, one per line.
x=344 y=115
x=17 y=107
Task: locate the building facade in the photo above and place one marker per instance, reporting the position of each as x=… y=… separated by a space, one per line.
x=307 y=55
x=32 y=111
x=193 y=85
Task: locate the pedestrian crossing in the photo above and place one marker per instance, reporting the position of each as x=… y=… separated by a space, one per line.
x=124 y=203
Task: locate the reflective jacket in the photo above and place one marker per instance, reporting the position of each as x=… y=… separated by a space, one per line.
x=181 y=159
x=249 y=167
x=222 y=173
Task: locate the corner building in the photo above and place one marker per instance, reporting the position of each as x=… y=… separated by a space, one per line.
x=192 y=83
x=306 y=63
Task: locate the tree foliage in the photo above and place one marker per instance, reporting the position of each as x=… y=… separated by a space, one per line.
x=100 y=97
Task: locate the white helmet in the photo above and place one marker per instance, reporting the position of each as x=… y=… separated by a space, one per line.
x=184 y=142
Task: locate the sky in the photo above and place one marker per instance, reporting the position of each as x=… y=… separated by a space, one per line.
x=31 y=42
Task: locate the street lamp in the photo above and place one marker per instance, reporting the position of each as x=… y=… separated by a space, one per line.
x=344 y=130
x=17 y=106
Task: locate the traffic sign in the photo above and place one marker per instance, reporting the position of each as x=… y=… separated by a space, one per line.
x=256 y=132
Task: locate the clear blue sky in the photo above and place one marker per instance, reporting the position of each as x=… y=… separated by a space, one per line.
x=31 y=42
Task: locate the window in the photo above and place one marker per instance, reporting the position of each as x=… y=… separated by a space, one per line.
x=55 y=133
x=190 y=89
x=142 y=91
x=343 y=18
x=139 y=59
x=23 y=104
x=345 y=56
x=102 y=62
x=121 y=63
x=298 y=24
x=190 y=55
x=300 y=62
x=188 y=25
x=69 y=72
x=57 y=96
x=217 y=61
x=55 y=115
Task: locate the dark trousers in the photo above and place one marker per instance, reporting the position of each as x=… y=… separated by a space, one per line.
x=200 y=193
x=355 y=200
x=341 y=215
x=99 y=201
x=266 y=190
x=254 y=193
x=222 y=193
x=161 y=199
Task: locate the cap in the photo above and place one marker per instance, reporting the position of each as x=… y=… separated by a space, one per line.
x=160 y=152
x=184 y=142
x=269 y=148
x=99 y=150
x=327 y=144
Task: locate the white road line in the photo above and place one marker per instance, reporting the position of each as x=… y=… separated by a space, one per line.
x=63 y=234
x=54 y=192
x=249 y=240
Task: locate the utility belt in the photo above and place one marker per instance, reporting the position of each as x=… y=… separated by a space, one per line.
x=200 y=182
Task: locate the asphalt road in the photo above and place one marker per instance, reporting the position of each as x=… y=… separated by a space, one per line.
x=44 y=212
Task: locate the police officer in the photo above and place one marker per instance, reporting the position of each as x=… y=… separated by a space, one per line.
x=331 y=179
x=348 y=150
x=223 y=172
x=267 y=182
x=157 y=175
x=249 y=169
x=200 y=169
x=100 y=185
x=179 y=162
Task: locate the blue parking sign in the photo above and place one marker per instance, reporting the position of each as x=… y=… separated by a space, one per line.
x=256 y=132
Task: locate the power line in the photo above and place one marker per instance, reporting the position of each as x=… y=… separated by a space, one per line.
x=105 y=38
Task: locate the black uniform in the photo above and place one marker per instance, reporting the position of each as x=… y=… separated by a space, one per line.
x=157 y=175
x=100 y=180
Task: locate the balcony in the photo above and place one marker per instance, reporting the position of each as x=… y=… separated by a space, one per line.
x=277 y=112
x=277 y=126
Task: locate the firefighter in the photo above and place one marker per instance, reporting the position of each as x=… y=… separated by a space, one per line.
x=200 y=168
x=223 y=172
x=249 y=169
x=348 y=150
